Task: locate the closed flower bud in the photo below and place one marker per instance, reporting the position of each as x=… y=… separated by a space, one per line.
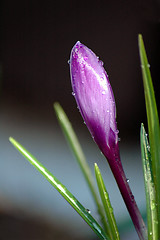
x=94 y=97
x=95 y=100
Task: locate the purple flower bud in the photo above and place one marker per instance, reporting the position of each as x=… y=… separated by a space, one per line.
x=95 y=100
x=94 y=97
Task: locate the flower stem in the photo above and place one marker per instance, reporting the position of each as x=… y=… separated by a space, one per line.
x=118 y=172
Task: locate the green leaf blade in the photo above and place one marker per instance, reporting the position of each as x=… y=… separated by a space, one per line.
x=152 y=216
x=113 y=230
x=153 y=121
x=79 y=155
x=80 y=209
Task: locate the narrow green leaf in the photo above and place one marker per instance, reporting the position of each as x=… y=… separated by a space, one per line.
x=153 y=120
x=62 y=190
x=152 y=217
x=79 y=155
x=114 y=234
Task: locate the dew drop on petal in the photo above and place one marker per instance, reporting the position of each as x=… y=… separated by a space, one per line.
x=117 y=131
x=101 y=62
x=69 y=61
x=103 y=92
x=73 y=94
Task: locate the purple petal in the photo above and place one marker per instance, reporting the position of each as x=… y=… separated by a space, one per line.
x=94 y=97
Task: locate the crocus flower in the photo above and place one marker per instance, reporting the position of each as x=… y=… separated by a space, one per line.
x=94 y=97
x=95 y=100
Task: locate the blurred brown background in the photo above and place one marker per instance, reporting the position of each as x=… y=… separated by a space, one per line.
x=35 y=43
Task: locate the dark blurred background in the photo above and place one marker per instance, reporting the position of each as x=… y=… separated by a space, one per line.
x=35 y=44
x=37 y=37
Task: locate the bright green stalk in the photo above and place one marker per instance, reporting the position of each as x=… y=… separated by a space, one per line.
x=152 y=217
x=114 y=234
x=62 y=190
x=79 y=155
x=153 y=122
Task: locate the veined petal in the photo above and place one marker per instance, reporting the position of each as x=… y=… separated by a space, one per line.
x=94 y=97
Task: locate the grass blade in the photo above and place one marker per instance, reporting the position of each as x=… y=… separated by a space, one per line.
x=152 y=217
x=153 y=120
x=62 y=190
x=78 y=153
x=114 y=234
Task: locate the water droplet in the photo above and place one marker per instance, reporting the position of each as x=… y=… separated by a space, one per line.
x=77 y=49
x=111 y=209
x=101 y=62
x=117 y=131
x=108 y=111
x=150 y=233
x=127 y=180
x=88 y=210
x=84 y=122
x=73 y=94
x=148 y=147
x=119 y=139
x=155 y=221
x=96 y=227
x=69 y=61
x=103 y=92
x=148 y=65
x=153 y=205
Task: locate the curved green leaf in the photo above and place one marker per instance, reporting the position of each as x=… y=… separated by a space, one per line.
x=79 y=155
x=153 y=120
x=152 y=217
x=62 y=190
x=114 y=234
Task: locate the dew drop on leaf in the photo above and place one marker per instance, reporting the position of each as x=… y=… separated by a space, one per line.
x=88 y=211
